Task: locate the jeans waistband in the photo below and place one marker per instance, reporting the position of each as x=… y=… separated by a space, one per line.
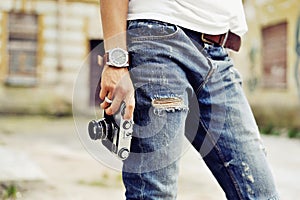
x=215 y=51
x=146 y=22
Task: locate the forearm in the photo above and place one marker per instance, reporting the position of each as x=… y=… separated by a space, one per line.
x=114 y=21
x=115 y=82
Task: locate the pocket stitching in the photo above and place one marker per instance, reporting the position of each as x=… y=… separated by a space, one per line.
x=168 y=36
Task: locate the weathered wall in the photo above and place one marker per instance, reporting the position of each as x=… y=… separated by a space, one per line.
x=278 y=106
x=65 y=28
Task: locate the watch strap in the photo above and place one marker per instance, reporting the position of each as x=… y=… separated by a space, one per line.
x=105 y=58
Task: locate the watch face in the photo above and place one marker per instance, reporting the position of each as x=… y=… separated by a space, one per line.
x=118 y=57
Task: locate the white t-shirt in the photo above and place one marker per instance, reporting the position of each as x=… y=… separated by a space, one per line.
x=206 y=16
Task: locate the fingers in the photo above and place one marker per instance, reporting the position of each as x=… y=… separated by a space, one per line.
x=106 y=87
x=129 y=101
x=129 y=110
x=103 y=93
x=116 y=87
x=114 y=107
x=106 y=97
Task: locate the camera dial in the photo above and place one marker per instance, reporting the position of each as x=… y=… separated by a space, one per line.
x=124 y=153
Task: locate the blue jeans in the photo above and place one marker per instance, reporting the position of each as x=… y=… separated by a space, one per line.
x=190 y=92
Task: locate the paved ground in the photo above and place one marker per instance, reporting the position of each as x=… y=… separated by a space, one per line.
x=58 y=167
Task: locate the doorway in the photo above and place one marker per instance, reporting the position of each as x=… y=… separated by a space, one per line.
x=96 y=48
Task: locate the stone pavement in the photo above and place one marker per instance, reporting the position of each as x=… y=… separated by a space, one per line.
x=17 y=166
x=46 y=160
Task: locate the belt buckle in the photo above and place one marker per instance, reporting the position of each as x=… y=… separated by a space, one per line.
x=223 y=36
x=205 y=40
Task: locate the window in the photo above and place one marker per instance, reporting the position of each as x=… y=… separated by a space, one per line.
x=22 y=49
x=274 y=52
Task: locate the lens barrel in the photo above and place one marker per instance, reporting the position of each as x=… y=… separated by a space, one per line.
x=95 y=130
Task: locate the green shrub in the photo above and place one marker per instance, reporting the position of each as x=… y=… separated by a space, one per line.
x=294 y=133
x=270 y=129
x=8 y=192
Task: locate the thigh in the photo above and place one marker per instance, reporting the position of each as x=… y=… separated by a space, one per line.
x=228 y=137
x=160 y=92
x=161 y=108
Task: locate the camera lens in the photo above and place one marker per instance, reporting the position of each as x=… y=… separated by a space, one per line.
x=97 y=130
x=94 y=130
x=100 y=130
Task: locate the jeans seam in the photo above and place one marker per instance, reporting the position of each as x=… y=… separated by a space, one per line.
x=219 y=152
x=222 y=158
x=207 y=76
x=141 y=178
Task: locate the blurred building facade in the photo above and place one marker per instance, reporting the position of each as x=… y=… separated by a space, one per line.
x=270 y=60
x=45 y=44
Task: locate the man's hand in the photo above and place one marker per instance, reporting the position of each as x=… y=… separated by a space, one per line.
x=117 y=86
x=115 y=82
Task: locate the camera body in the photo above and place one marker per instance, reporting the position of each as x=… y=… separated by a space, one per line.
x=114 y=132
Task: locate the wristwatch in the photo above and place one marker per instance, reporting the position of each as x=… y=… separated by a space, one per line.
x=116 y=57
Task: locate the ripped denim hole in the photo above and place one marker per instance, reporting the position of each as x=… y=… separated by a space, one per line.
x=168 y=104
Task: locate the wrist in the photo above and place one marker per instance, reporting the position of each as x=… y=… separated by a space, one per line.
x=117 y=41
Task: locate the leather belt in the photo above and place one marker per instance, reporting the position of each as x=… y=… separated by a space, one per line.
x=228 y=40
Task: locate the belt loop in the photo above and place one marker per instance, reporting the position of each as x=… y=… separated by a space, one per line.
x=225 y=39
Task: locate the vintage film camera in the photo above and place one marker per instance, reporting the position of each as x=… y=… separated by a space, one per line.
x=114 y=132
